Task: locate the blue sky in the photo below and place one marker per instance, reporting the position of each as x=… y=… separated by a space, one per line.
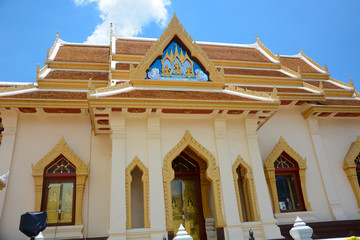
x=326 y=31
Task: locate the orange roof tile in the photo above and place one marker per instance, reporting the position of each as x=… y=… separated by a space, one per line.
x=267 y=73
x=293 y=63
x=132 y=47
x=90 y=54
x=51 y=95
x=194 y=95
x=79 y=75
x=234 y=53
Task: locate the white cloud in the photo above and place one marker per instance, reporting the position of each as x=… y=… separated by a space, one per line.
x=128 y=17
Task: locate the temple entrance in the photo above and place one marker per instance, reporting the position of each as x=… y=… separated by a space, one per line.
x=186 y=199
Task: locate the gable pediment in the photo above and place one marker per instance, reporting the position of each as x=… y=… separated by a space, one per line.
x=176 y=56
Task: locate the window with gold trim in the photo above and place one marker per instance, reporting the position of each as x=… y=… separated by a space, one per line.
x=59 y=192
x=352 y=168
x=288 y=184
x=59 y=179
x=285 y=175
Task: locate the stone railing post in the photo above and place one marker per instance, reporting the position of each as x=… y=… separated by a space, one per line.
x=300 y=231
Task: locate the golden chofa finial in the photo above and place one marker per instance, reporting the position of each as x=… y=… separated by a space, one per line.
x=91 y=85
x=274 y=94
x=278 y=56
x=38 y=68
x=351 y=82
x=326 y=69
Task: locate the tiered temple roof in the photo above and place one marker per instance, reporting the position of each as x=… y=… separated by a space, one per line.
x=243 y=79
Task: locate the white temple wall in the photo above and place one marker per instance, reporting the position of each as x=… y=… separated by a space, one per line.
x=173 y=130
x=337 y=141
x=98 y=182
x=136 y=140
x=237 y=140
x=35 y=137
x=290 y=124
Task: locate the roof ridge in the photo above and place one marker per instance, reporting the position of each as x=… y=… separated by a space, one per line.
x=313 y=62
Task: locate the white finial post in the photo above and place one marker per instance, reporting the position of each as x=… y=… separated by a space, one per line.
x=182 y=234
x=300 y=231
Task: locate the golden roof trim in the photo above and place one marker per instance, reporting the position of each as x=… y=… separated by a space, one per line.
x=273 y=95
x=175 y=29
x=109 y=88
x=312 y=61
x=18 y=88
x=265 y=49
x=329 y=108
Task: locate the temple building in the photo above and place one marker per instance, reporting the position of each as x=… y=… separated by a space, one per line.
x=129 y=140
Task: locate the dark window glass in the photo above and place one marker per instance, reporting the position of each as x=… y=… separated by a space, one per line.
x=288 y=199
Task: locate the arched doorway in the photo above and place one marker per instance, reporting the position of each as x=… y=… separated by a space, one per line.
x=209 y=181
x=186 y=197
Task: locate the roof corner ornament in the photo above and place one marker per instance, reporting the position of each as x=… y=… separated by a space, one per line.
x=351 y=83
x=91 y=85
x=278 y=56
x=274 y=94
x=326 y=68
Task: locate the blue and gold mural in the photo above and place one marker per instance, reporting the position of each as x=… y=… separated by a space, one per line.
x=176 y=64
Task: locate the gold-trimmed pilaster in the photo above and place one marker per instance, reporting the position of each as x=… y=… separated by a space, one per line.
x=212 y=174
x=250 y=189
x=280 y=147
x=350 y=168
x=145 y=180
x=61 y=148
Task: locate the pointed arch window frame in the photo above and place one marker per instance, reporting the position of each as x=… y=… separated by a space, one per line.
x=240 y=162
x=270 y=174
x=61 y=148
x=351 y=168
x=136 y=162
x=212 y=174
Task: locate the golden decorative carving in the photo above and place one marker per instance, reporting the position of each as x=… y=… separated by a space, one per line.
x=280 y=147
x=212 y=174
x=175 y=29
x=350 y=168
x=273 y=96
x=254 y=213
x=18 y=88
x=81 y=173
x=110 y=88
x=312 y=87
x=265 y=49
x=145 y=180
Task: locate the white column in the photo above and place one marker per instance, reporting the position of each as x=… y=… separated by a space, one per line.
x=271 y=230
x=117 y=227
x=9 y=122
x=232 y=218
x=156 y=189
x=327 y=179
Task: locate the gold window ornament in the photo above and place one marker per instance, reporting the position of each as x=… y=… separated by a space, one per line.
x=59 y=179
x=285 y=176
x=352 y=168
x=245 y=191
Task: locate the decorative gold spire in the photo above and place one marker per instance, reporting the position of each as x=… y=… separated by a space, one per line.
x=274 y=94
x=278 y=56
x=47 y=54
x=91 y=85
x=326 y=69
x=38 y=68
x=351 y=82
